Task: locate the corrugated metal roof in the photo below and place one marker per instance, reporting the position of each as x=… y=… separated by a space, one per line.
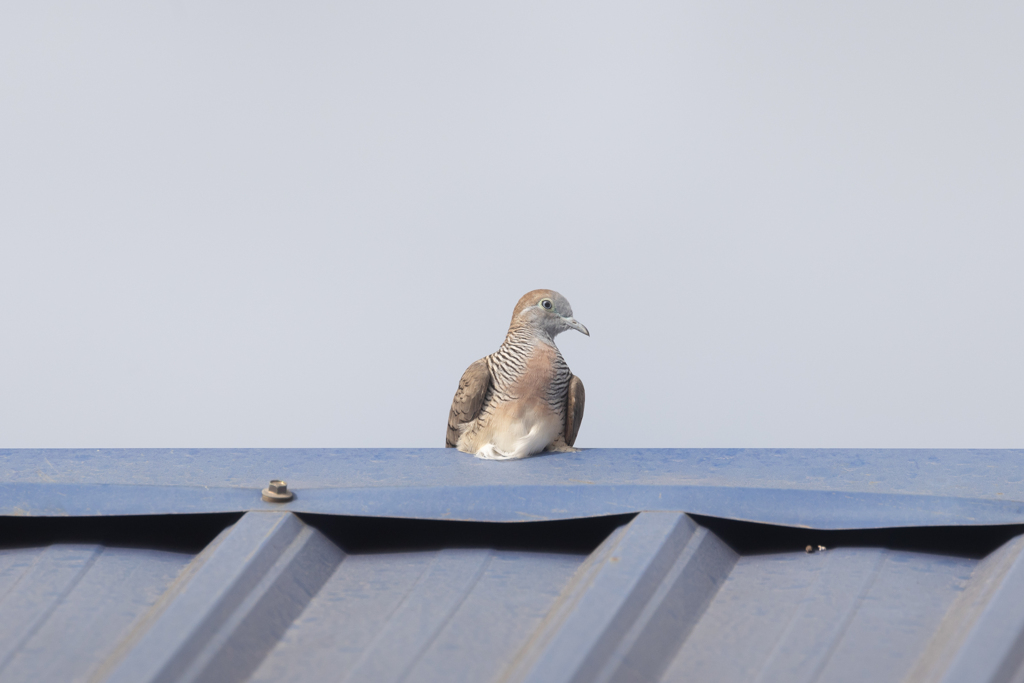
x=827 y=489
x=652 y=595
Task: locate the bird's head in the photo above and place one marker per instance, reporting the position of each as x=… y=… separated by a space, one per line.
x=546 y=311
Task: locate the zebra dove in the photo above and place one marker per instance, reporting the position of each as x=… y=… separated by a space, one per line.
x=521 y=399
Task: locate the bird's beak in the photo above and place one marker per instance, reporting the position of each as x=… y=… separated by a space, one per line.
x=576 y=325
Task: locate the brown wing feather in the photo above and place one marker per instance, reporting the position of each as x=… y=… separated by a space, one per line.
x=574 y=409
x=469 y=398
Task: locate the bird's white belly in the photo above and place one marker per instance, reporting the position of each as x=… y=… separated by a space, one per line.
x=511 y=434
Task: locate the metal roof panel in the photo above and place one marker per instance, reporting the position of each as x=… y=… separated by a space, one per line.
x=827 y=489
x=656 y=596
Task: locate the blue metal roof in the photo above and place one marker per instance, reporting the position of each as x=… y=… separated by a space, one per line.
x=817 y=488
x=658 y=594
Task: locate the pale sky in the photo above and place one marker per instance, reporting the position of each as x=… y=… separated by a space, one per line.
x=295 y=224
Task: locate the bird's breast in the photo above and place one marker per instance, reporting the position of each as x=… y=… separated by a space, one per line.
x=539 y=371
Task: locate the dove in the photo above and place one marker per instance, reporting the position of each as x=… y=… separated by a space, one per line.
x=522 y=399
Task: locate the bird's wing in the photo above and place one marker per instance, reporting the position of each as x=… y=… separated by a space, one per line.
x=574 y=409
x=469 y=398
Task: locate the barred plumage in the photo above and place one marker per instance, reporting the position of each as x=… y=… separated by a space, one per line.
x=521 y=399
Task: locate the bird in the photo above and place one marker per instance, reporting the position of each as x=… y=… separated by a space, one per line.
x=522 y=399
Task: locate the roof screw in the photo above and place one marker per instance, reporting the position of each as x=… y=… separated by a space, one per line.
x=277 y=492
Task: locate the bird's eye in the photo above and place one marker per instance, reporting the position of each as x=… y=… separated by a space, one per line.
x=546 y=303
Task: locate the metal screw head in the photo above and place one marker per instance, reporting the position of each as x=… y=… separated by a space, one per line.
x=277 y=492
